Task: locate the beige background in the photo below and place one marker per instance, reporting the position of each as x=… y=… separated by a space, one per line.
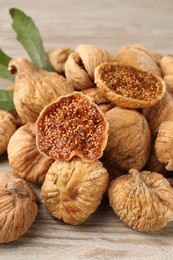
x=110 y=24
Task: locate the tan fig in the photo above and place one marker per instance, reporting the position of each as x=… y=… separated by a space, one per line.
x=80 y=65
x=142 y=200
x=7 y=128
x=35 y=88
x=166 y=64
x=58 y=58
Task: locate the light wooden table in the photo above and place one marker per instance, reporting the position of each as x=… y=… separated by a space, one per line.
x=110 y=24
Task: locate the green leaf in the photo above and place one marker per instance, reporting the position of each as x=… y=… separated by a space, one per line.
x=4 y=60
x=28 y=35
x=6 y=100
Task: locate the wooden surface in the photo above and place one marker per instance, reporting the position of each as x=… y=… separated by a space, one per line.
x=110 y=24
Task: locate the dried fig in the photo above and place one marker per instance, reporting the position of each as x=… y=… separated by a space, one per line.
x=128 y=140
x=7 y=128
x=58 y=58
x=137 y=56
x=164 y=143
x=166 y=64
x=72 y=125
x=160 y=112
x=73 y=190
x=24 y=157
x=35 y=88
x=18 y=207
x=80 y=65
x=142 y=200
x=127 y=86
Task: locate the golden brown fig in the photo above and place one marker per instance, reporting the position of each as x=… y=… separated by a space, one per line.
x=142 y=200
x=164 y=143
x=7 y=128
x=18 y=207
x=127 y=86
x=73 y=190
x=58 y=58
x=160 y=112
x=24 y=157
x=80 y=65
x=72 y=125
x=35 y=88
x=128 y=140
x=166 y=64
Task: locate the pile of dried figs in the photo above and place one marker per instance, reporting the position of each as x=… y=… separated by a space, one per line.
x=100 y=124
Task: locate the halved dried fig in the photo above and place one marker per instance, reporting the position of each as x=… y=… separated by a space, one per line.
x=142 y=200
x=127 y=86
x=72 y=125
x=73 y=190
x=18 y=207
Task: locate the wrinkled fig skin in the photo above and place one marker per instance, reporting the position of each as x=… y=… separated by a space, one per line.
x=58 y=57
x=7 y=128
x=142 y=200
x=35 y=88
x=160 y=112
x=24 y=157
x=129 y=138
x=18 y=207
x=73 y=190
x=80 y=65
x=164 y=143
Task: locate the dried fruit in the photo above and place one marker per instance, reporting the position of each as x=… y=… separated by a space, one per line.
x=160 y=112
x=80 y=65
x=72 y=125
x=58 y=58
x=73 y=190
x=142 y=200
x=24 y=157
x=127 y=86
x=137 y=56
x=166 y=64
x=163 y=144
x=18 y=207
x=35 y=88
x=129 y=138
x=7 y=128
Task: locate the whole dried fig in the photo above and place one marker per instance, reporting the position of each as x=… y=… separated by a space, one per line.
x=160 y=112
x=166 y=64
x=164 y=143
x=35 y=88
x=73 y=190
x=72 y=126
x=24 y=157
x=80 y=65
x=7 y=128
x=18 y=207
x=127 y=86
x=129 y=138
x=58 y=58
x=142 y=200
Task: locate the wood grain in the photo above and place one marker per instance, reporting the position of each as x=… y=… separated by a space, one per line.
x=110 y=24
